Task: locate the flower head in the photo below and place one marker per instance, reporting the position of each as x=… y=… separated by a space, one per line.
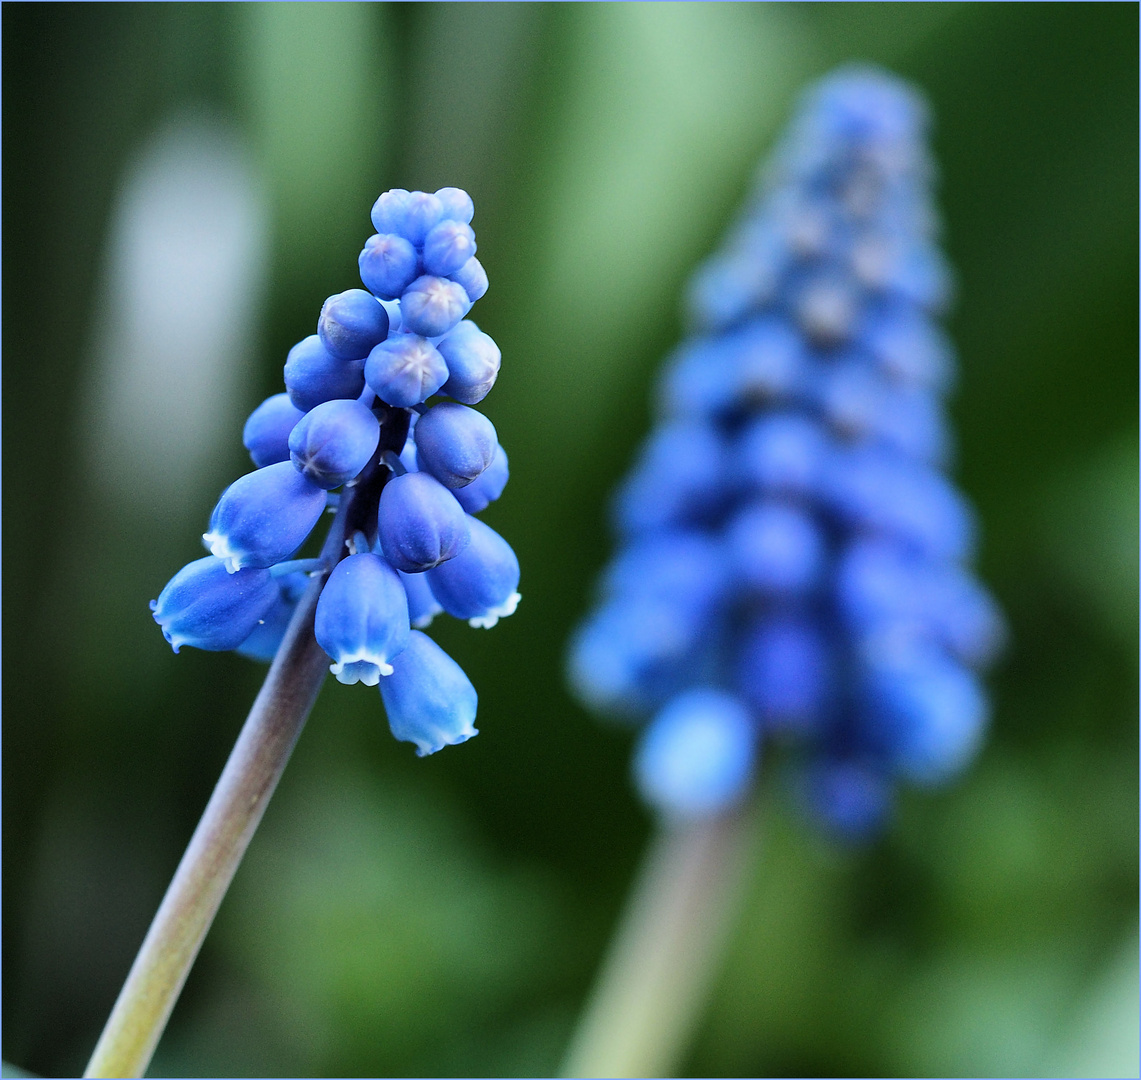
x=356 y=400
x=795 y=562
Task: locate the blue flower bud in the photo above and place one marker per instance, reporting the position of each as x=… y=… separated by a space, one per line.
x=480 y=583
x=656 y=628
x=457 y=204
x=263 y=517
x=908 y=348
x=924 y=713
x=422 y=212
x=312 y=375
x=334 y=441
x=454 y=443
x=447 y=247
x=473 y=363
x=851 y=799
x=487 y=487
x=472 y=278
x=967 y=621
x=208 y=607
x=689 y=569
x=775 y=549
x=785 y=673
x=880 y=493
x=419 y=523
x=432 y=306
x=390 y=210
x=428 y=698
x=679 y=479
x=858 y=105
x=266 y=434
x=783 y=454
x=423 y=607
x=911 y=423
x=729 y=288
x=362 y=618
x=758 y=364
x=629 y=657
x=405 y=370
x=388 y=265
x=697 y=756
x=826 y=307
x=351 y=324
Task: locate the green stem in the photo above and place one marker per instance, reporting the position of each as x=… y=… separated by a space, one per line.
x=228 y=823
x=655 y=980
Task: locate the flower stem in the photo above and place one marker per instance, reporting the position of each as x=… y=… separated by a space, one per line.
x=240 y=797
x=655 y=980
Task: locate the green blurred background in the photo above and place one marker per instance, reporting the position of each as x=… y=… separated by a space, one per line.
x=183 y=186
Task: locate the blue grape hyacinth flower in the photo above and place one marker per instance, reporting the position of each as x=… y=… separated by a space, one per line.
x=794 y=561
x=356 y=394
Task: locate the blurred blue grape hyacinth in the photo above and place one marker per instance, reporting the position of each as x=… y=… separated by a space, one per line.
x=354 y=392
x=794 y=561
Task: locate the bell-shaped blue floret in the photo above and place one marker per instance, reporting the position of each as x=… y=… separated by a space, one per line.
x=480 y=583
x=925 y=714
x=432 y=306
x=761 y=363
x=454 y=443
x=473 y=361
x=447 y=247
x=697 y=756
x=419 y=523
x=208 y=607
x=423 y=607
x=908 y=348
x=782 y=454
x=334 y=441
x=457 y=204
x=405 y=370
x=266 y=434
x=851 y=799
x=428 y=698
x=264 y=516
x=686 y=568
x=785 y=672
x=352 y=324
x=312 y=375
x=878 y=492
x=487 y=487
x=655 y=630
x=967 y=621
x=679 y=479
x=362 y=618
x=472 y=278
x=388 y=264
x=776 y=549
x=266 y=637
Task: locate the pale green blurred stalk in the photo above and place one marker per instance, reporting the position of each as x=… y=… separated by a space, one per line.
x=655 y=981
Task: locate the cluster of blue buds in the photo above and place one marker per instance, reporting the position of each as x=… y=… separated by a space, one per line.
x=356 y=416
x=794 y=562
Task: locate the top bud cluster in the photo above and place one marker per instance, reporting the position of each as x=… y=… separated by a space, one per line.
x=794 y=561
x=355 y=414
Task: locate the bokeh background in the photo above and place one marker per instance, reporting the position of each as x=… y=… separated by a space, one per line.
x=184 y=184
